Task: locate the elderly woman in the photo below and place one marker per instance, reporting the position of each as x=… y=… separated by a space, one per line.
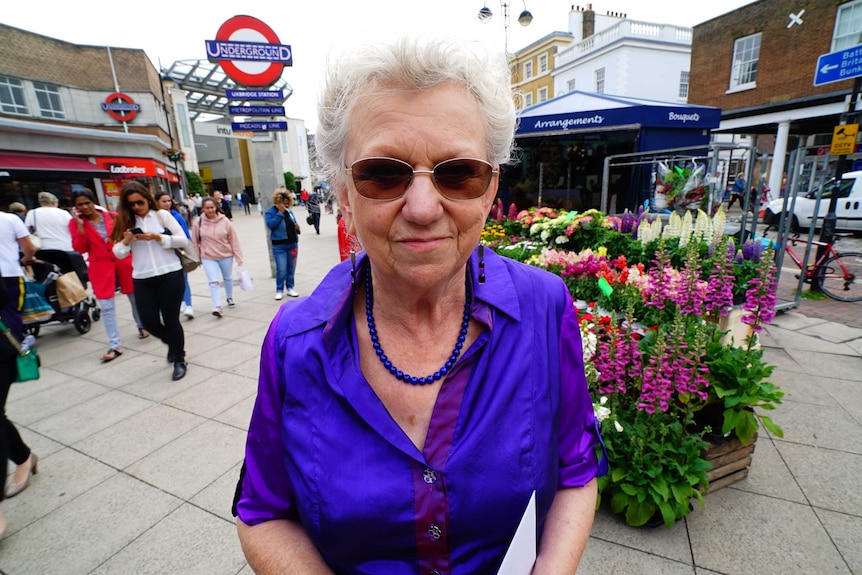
x=409 y=408
x=284 y=236
x=151 y=235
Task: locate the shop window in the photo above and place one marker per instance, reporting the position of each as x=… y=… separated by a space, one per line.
x=600 y=81
x=12 y=99
x=683 y=84
x=848 y=26
x=50 y=104
x=746 y=53
x=570 y=85
x=543 y=94
x=528 y=70
x=543 y=63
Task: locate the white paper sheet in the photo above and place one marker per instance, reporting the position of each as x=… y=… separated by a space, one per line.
x=521 y=554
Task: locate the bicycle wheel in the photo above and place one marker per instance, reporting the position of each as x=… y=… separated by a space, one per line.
x=836 y=284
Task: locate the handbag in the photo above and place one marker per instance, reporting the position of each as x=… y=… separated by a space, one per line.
x=35 y=308
x=309 y=219
x=189 y=258
x=70 y=290
x=27 y=360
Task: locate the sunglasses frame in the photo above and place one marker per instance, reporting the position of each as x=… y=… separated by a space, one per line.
x=494 y=173
x=137 y=203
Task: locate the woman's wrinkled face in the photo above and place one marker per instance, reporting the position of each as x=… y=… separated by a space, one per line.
x=138 y=204
x=421 y=238
x=164 y=202
x=84 y=206
x=209 y=209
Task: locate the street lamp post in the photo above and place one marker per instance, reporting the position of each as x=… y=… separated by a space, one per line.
x=524 y=19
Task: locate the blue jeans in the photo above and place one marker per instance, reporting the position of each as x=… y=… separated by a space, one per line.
x=214 y=269
x=285 y=264
x=187 y=295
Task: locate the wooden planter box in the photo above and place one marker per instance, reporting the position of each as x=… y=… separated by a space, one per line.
x=730 y=462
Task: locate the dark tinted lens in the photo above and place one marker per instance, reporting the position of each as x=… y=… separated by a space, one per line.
x=462 y=178
x=381 y=178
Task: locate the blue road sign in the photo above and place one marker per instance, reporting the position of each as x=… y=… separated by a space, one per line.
x=255 y=94
x=256 y=110
x=259 y=126
x=837 y=66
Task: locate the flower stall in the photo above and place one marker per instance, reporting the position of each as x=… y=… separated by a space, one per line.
x=679 y=397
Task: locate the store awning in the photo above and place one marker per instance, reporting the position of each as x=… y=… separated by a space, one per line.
x=49 y=164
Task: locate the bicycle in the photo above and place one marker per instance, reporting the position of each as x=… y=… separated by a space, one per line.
x=839 y=275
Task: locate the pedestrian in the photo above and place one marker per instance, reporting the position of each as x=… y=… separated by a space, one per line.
x=18 y=209
x=166 y=202
x=303 y=196
x=223 y=204
x=737 y=191
x=14 y=237
x=313 y=206
x=284 y=236
x=346 y=242
x=351 y=464
x=246 y=201
x=239 y=199
x=218 y=246
x=198 y=200
x=50 y=224
x=91 y=229
x=151 y=235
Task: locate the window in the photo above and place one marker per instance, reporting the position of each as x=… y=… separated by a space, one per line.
x=600 y=81
x=746 y=52
x=683 y=84
x=543 y=94
x=528 y=99
x=570 y=85
x=543 y=63
x=183 y=119
x=12 y=100
x=848 y=26
x=528 y=70
x=50 y=105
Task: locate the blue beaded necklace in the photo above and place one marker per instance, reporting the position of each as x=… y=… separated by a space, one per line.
x=381 y=355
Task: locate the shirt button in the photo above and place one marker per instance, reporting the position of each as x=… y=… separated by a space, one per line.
x=435 y=532
x=430 y=476
x=435 y=572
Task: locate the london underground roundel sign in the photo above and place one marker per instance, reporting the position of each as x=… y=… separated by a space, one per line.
x=249 y=51
x=121 y=107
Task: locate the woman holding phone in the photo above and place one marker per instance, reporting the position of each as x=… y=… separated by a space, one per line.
x=151 y=235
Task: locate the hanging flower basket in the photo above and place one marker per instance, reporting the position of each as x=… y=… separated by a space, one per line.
x=174 y=154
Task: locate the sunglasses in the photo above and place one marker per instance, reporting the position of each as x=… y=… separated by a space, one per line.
x=388 y=179
x=138 y=203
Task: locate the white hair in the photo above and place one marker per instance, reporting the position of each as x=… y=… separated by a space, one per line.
x=415 y=64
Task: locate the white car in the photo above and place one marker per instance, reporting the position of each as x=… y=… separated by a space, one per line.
x=848 y=208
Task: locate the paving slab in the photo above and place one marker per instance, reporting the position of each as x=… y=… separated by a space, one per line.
x=793 y=321
x=802 y=387
x=768 y=475
x=38 y=406
x=217 y=497
x=803 y=423
x=663 y=542
x=833 y=332
x=829 y=478
x=800 y=340
x=215 y=394
x=829 y=365
x=844 y=530
x=607 y=557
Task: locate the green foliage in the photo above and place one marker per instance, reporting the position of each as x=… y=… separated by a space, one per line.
x=289 y=181
x=738 y=379
x=657 y=467
x=195 y=184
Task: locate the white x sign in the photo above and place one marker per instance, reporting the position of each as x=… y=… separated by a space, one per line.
x=796 y=18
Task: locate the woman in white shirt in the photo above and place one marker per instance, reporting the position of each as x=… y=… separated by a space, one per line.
x=151 y=235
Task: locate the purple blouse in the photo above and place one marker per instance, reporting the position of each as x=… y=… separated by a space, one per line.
x=513 y=416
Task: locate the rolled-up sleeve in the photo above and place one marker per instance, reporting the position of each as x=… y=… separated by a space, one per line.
x=265 y=491
x=121 y=250
x=579 y=433
x=177 y=237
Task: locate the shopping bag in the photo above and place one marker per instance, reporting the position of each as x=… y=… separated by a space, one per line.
x=36 y=308
x=245 y=282
x=70 y=290
x=28 y=366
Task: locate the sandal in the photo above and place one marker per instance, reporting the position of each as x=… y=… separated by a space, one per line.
x=111 y=355
x=142 y=333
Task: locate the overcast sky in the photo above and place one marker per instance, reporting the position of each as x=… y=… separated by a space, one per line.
x=170 y=30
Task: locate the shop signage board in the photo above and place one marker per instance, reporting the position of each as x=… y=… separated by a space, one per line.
x=844 y=139
x=257 y=110
x=259 y=126
x=838 y=66
x=249 y=51
x=218 y=130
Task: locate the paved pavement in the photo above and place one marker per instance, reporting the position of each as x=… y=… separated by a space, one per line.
x=137 y=472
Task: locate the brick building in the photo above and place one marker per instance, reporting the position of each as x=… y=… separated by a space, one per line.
x=73 y=116
x=758 y=65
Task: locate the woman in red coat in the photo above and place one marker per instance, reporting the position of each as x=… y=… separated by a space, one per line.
x=91 y=228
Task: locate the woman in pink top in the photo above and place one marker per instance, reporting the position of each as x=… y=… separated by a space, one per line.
x=217 y=245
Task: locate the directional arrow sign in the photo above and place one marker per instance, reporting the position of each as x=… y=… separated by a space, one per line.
x=837 y=66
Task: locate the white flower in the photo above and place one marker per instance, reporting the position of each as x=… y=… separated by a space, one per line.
x=601 y=413
x=561 y=239
x=618 y=427
x=545 y=235
x=534 y=229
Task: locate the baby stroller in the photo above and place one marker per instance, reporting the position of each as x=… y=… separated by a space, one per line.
x=49 y=265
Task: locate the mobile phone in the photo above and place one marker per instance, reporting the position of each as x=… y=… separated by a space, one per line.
x=136 y=231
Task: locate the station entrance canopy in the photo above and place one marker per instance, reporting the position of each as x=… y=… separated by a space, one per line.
x=206 y=84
